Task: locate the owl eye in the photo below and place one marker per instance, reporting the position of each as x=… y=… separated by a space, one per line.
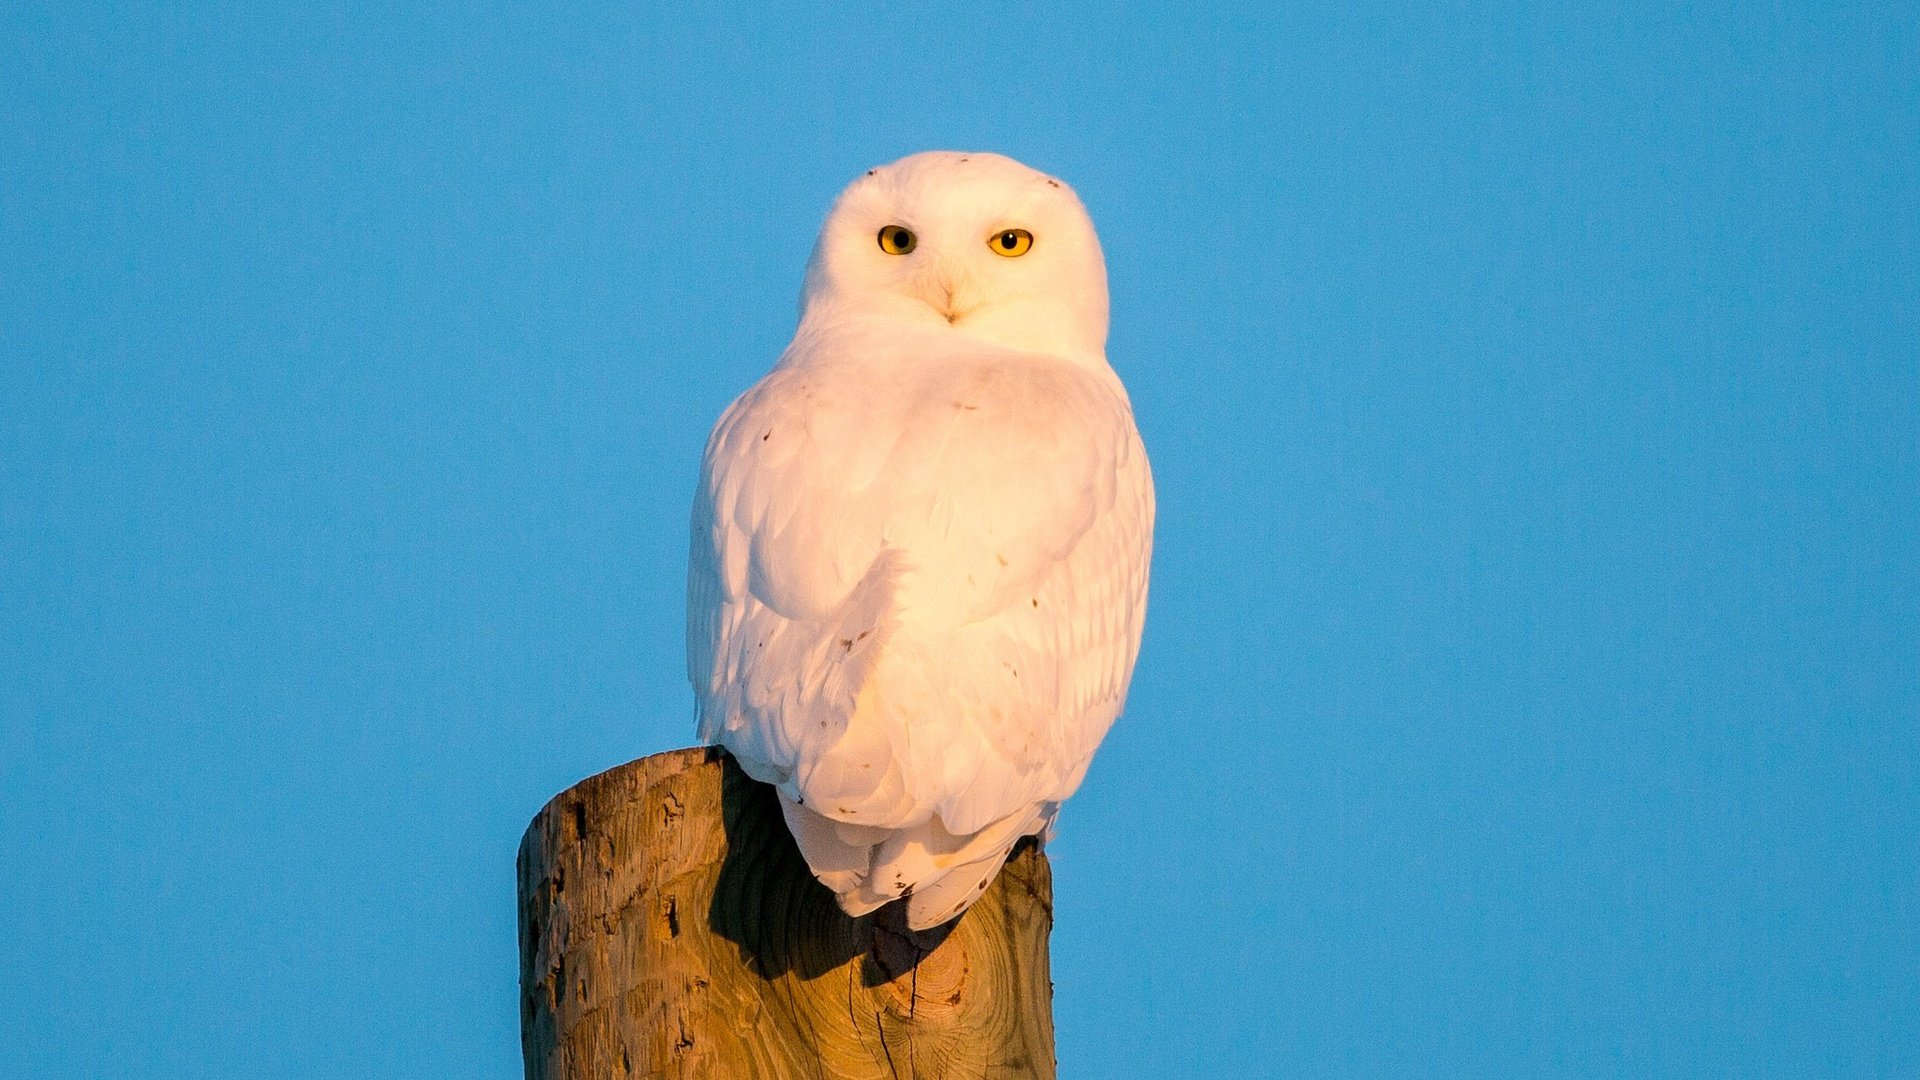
x=896 y=240
x=1012 y=243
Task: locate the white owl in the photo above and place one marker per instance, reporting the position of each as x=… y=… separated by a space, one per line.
x=920 y=543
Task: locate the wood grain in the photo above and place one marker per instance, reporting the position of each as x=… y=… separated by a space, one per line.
x=669 y=928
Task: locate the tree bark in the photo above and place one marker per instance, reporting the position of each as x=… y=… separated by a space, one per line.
x=670 y=928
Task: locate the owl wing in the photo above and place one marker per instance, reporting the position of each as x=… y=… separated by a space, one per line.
x=1069 y=645
x=1036 y=672
x=778 y=552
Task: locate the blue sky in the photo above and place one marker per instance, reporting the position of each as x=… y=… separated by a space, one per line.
x=1534 y=398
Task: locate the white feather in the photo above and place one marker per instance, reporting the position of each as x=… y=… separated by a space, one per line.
x=920 y=544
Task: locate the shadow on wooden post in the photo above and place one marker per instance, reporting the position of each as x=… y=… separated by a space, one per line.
x=669 y=928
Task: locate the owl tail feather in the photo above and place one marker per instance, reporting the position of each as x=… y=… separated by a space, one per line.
x=940 y=874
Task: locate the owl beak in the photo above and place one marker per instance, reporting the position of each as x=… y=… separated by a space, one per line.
x=945 y=294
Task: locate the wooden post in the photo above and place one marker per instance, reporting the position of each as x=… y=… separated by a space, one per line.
x=669 y=928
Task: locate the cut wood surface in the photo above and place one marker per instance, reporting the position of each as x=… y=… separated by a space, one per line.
x=669 y=928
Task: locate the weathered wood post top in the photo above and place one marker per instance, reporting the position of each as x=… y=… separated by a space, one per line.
x=669 y=928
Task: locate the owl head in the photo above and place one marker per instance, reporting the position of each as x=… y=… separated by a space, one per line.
x=963 y=243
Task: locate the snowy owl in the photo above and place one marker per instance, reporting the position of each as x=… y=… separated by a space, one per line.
x=920 y=543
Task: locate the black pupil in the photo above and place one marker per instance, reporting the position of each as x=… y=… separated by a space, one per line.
x=897 y=238
x=1009 y=241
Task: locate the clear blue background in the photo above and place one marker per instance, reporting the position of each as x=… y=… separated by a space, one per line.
x=1530 y=684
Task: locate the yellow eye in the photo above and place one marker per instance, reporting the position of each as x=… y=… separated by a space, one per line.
x=895 y=240
x=1012 y=243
